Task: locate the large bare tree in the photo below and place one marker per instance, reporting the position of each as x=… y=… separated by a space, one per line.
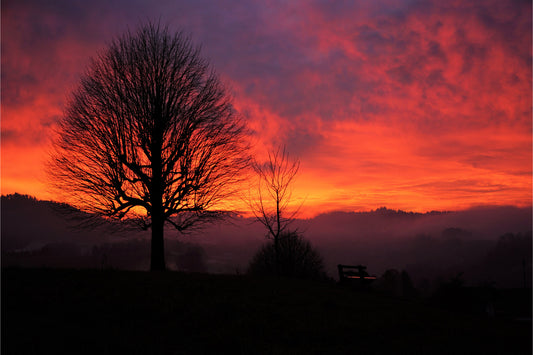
x=270 y=201
x=150 y=135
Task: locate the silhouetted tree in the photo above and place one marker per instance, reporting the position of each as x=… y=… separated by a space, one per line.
x=150 y=136
x=295 y=257
x=270 y=203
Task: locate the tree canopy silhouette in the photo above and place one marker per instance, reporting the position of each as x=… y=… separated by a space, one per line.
x=150 y=136
x=270 y=201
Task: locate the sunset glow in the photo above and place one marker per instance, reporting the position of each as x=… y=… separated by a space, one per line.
x=411 y=105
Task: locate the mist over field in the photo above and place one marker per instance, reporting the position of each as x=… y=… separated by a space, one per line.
x=488 y=245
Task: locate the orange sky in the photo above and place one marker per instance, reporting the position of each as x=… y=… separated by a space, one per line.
x=410 y=105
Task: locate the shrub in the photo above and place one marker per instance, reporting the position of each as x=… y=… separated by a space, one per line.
x=297 y=258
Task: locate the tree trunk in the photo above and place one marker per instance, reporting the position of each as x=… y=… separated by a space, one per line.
x=277 y=257
x=157 y=260
x=277 y=236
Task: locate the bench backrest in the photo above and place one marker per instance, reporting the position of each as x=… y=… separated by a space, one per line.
x=354 y=273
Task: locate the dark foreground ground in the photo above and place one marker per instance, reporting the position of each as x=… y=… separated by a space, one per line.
x=119 y=312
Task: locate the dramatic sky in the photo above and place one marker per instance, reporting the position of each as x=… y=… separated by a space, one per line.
x=414 y=105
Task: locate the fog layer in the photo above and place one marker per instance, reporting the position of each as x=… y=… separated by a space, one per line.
x=488 y=245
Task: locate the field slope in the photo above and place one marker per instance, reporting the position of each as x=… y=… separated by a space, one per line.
x=112 y=312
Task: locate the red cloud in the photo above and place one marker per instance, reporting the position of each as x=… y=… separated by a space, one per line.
x=414 y=105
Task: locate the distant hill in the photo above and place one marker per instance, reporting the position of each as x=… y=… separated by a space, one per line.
x=28 y=223
x=488 y=222
x=427 y=245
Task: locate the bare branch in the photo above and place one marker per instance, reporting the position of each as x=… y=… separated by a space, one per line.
x=270 y=203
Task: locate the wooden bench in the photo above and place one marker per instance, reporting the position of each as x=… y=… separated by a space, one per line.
x=354 y=274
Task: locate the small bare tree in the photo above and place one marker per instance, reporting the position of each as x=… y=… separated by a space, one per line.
x=270 y=202
x=150 y=136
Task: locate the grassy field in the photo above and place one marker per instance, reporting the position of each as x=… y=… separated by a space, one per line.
x=114 y=312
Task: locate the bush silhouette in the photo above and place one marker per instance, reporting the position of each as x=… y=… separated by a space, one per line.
x=297 y=258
